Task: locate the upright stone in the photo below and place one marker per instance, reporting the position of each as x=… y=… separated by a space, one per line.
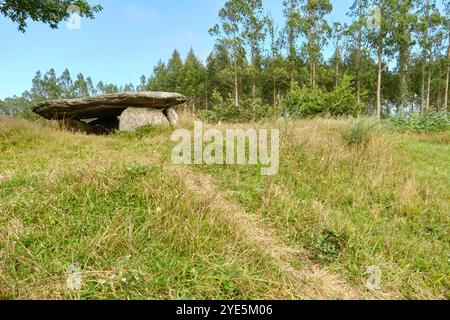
x=172 y=116
x=134 y=118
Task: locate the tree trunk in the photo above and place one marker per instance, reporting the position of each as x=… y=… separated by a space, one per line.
x=380 y=72
x=438 y=99
x=236 y=84
x=358 y=54
x=448 y=77
x=427 y=107
x=403 y=63
x=314 y=75
x=206 y=94
x=338 y=58
x=424 y=59
x=274 y=93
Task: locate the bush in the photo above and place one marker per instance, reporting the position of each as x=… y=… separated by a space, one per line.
x=227 y=111
x=421 y=122
x=305 y=102
x=358 y=134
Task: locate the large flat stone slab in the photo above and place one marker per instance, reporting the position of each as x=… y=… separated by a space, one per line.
x=107 y=105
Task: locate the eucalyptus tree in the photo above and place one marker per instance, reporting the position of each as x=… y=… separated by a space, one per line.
x=37 y=91
x=379 y=38
x=423 y=27
x=65 y=82
x=80 y=86
x=437 y=34
x=447 y=28
x=91 y=90
x=276 y=62
x=316 y=30
x=291 y=32
x=337 y=35
x=230 y=32
x=358 y=11
x=255 y=23
x=404 y=23
x=50 y=85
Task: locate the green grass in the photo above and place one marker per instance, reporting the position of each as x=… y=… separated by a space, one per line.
x=139 y=230
x=385 y=205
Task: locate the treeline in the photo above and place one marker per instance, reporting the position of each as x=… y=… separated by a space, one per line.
x=392 y=57
x=49 y=87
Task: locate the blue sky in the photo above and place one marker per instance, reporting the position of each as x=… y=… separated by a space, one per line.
x=125 y=40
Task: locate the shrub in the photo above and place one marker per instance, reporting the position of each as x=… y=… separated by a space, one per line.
x=227 y=111
x=358 y=134
x=305 y=102
x=421 y=122
x=328 y=245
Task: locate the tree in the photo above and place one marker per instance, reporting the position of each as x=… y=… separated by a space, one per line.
x=447 y=25
x=48 y=12
x=292 y=32
x=90 y=87
x=219 y=72
x=174 y=67
x=359 y=12
x=50 y=85
x=66 y=85
x=37 y=91
x=254 y=35
x=378 y=38
x=275 y=64
x=447 y=77
x=424 y=23
x=337 y=34
x=315 y=29
x=229 y=33
x=142 y=83
x=193 y=76
x=158 y=81
x=80 y=86
x=128 y=88
x=404 y=22
x=100 y=87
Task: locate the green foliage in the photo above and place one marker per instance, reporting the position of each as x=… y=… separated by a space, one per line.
x=305 y=102
x=328 y=245
x=50 y=87
x=421 y=122
x=358 y=134
x=49 y=12
x=249 y=110
x=386 y=206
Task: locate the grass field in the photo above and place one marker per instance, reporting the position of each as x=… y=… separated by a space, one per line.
x=140 y=227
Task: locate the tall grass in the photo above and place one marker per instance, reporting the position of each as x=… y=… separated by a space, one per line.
x=139 y=229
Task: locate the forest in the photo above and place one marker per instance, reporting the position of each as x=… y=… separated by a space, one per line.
x=392 y=58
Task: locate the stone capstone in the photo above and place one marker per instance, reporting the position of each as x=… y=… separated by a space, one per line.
x=107 y=113
x=107 y=105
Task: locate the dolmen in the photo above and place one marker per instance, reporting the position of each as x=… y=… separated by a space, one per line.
x=124 y=111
